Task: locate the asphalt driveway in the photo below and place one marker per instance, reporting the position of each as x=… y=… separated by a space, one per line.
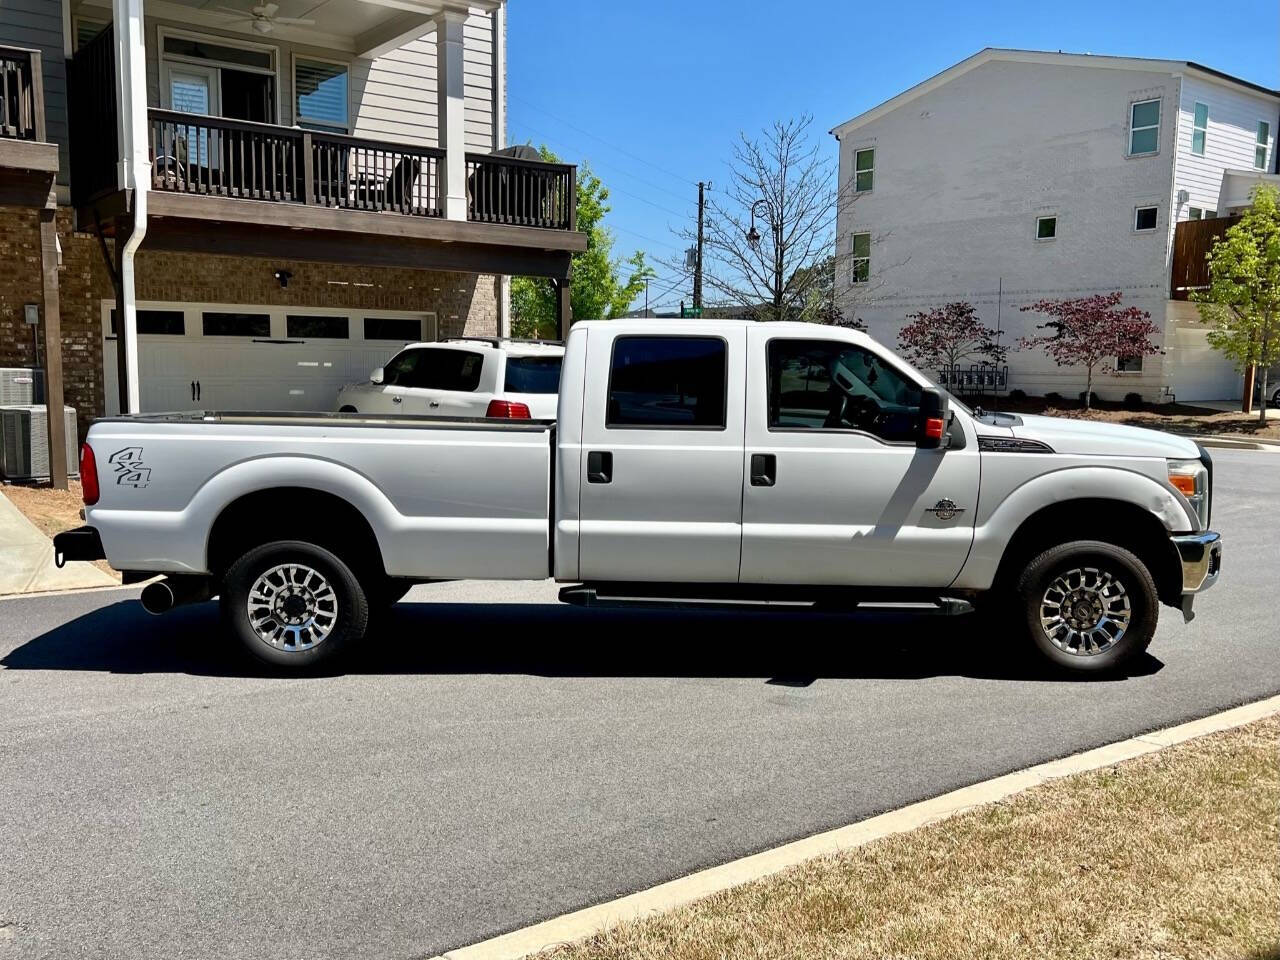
x=489 y=764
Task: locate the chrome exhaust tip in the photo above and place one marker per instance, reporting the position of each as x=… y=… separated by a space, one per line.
x=163 y=595
x=158 y=597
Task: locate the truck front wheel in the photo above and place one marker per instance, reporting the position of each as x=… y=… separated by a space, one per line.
x=1089 y=606
x=293 y=604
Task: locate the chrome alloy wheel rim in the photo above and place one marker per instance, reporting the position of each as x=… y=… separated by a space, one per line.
x=292 y=607
x=1085 y=612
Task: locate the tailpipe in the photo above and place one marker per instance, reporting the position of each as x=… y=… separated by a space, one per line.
x=163 y=595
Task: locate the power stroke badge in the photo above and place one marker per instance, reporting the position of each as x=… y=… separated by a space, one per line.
x=130 y=470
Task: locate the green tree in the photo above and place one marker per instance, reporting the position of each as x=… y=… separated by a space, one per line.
x=1242 y=302
x=601 y=287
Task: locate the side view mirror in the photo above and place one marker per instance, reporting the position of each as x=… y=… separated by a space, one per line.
x=935 y=414
x=376 y=376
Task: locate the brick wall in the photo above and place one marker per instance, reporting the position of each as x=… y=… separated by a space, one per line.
x=463 y=303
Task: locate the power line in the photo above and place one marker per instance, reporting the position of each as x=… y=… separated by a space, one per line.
x=586 y=155
x=593 y=136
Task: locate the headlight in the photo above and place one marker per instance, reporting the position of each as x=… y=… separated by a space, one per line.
x=1191 y=479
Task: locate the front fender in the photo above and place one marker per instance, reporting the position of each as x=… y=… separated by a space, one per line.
x=1010 y=509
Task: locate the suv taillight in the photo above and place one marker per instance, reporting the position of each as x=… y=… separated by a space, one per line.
x=508 y=410
x=88 y=475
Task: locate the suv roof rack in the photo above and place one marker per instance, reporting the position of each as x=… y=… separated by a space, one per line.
x=499 y=341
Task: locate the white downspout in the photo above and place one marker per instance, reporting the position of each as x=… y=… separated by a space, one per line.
x=500 y=141
x=134 y=174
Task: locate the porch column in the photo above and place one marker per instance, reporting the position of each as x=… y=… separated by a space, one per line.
x=134 y=176
x=450 y=101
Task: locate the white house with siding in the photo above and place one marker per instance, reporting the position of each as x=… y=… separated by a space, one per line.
x=1019 y=175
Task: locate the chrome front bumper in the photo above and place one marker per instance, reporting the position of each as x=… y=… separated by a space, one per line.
x=1201 y=555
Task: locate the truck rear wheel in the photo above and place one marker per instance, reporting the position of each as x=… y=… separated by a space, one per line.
x=293 y=604
x=1089 y=606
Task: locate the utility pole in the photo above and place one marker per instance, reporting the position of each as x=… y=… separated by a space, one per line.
x=697 y=257
x=646 y=297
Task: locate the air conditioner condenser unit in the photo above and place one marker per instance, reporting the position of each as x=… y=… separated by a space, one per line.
x=21 y=385
x=24 y=442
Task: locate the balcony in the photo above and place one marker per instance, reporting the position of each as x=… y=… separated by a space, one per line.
x=1192 y=241
x=24 y=151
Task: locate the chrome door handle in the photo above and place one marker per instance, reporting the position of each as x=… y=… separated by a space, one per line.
x=397 y=400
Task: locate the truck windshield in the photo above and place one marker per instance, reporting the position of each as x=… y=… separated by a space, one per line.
x=533 y=374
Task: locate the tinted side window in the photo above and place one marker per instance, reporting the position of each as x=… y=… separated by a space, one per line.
x=435 y=370
x=667 y=382
x=828 y=385
x=533 y=375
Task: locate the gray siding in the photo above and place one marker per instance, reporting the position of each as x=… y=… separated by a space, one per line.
x=37 y=24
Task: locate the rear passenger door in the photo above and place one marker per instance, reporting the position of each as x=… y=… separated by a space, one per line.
x=446 y=382
x=662 y=443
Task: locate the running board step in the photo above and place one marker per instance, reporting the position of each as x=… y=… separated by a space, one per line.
x=590 y=596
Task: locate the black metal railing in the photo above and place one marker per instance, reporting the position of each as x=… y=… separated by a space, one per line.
x=216 y=156
x=91 y=116
x=21 y=95
x=526 y=193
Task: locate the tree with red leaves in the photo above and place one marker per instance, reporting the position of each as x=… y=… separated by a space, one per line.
x=941 y=338
x=1088 y=330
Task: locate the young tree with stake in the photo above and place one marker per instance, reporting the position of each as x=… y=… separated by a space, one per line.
x=1088 y=330
x=941 y=338
x=1243 y=299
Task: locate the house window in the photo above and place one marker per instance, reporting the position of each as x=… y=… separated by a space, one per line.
x=1128 y=364
x=1144 y=218
x=1046 y=228
x=218 y=77
x=1144 y=127
x=1199 y=129
x=1194 y=213
x=864 y=169
x=1210 y=214
x=861 y=271
x=1260 y=151
x=668 y=382
x=320 y=94
x=302 y=327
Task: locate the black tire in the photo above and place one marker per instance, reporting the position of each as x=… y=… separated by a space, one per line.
x=344 y=618
x=1130 y=583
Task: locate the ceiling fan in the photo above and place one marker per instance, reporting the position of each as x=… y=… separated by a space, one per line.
x=264 y=19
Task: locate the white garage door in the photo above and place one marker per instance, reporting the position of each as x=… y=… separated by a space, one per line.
x=244 y=357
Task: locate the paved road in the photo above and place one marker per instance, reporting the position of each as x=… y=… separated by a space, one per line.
x=487 y=766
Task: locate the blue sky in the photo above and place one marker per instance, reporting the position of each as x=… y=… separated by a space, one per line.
x=653 y=94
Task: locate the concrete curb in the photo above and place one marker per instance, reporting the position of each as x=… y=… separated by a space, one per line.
x=1231 y=443
x=675 y=893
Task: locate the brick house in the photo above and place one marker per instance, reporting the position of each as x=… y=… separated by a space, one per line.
x=314 y=183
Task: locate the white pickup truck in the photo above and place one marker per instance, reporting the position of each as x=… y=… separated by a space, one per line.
x=692 y=461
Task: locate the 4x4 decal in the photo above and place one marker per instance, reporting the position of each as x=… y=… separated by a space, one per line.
x=130 y=470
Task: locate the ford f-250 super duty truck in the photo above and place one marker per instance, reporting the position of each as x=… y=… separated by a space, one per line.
x=692 y=461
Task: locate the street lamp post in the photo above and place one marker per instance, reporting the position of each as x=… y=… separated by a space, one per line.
x=753 y=240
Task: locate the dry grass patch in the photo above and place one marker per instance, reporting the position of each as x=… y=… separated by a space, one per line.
x=1171 y=855
x=52 y=511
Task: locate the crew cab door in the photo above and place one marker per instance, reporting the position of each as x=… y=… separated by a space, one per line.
x=835 y=490
x=661 y=461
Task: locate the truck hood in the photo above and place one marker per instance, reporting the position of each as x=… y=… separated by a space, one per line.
x=1092 y=437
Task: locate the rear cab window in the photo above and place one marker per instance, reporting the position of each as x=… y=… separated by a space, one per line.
x=677 y=382
x=429 y=368
x=532 y=375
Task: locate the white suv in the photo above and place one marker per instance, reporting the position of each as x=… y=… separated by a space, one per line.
x=463 y=377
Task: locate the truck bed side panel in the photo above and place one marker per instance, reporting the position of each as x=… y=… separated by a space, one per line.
x=457 y=501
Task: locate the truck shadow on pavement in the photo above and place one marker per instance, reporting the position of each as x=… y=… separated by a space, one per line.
x=791 y=648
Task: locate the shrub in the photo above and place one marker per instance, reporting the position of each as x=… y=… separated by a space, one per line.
x=1133 y=401
x=1016 y=394
x=1088 y=398
x=1053 y=397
